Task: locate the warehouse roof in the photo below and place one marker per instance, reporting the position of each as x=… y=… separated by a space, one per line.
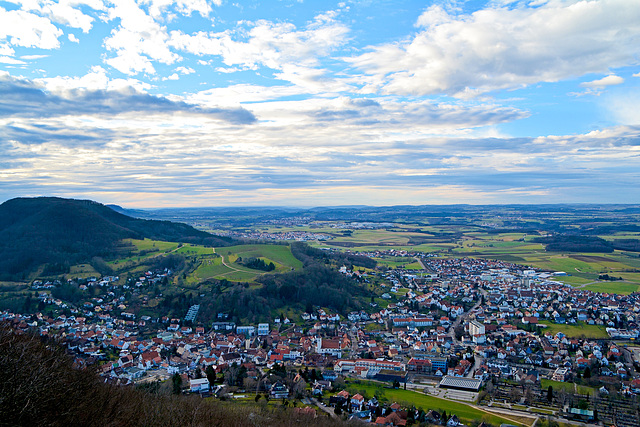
x=470 y=384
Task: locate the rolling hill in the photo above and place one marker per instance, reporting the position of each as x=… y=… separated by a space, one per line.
x=59 y=232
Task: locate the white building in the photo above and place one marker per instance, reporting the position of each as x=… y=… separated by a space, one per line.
x=477 y=332
x=263 y=329
x=199 y=385
x=248 y=331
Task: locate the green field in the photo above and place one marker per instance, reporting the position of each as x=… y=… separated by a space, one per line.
x=578 y=330
x=280 y=255
x=465 y=412
x=566 y=386
x=140 y=250
x=461 y=241
x=82 y=271
x=189 y=250
x=148 y=244
x=574 y=280
x=621 y=288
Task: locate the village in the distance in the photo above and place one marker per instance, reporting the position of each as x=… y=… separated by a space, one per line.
x=441 y=340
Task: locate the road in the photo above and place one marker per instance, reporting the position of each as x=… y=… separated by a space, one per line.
x=327 y=409
x=479 y=360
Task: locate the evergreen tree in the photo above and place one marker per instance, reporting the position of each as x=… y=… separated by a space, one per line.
x=176 y=380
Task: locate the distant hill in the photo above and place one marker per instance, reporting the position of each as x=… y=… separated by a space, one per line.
x=61 y=232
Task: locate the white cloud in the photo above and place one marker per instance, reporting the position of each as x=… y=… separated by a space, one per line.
x=279 y=46
x=31 y=57
x=138 y=40
x=636 y=75
x=228 y=70
x=20 y=28
x=6 y=50
x=64 y=12
x=242 y=93
x=609 y=80
x=95 y=80
x=158 y=8
x=72 y=38
x=10 y=60
x=185 y=70
x=505 y=47
x=173 y=76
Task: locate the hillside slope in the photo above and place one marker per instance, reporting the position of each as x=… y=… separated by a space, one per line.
x=59 y=232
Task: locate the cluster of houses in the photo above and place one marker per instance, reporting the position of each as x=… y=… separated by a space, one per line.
x=503 y=308
x=300 y=236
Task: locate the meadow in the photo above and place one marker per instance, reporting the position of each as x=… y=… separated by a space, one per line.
x=582 y=270
x=576 y=331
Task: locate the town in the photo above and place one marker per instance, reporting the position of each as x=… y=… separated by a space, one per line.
x=511 y=339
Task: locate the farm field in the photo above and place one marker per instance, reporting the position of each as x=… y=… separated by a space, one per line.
x=582 y=269
x=155 y=245
x=574 y=331
x=280 y=255
x=221 y=263
x=620 y=288
x=465 y=412
x=140 y=250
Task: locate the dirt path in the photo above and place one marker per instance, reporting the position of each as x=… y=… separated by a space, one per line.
x=230 y=267
x=505 y=414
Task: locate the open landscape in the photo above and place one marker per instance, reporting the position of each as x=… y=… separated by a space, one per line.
x=320 y=212
x=406 y=299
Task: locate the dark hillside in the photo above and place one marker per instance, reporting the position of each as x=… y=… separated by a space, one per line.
x=62 y=232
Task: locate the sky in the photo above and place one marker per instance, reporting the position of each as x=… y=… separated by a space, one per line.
x=200 y=103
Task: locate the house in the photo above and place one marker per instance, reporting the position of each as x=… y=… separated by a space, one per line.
x=279 y=390
x=149 y=359
x=199 y=385
x=331 y=347
x=357 y=400
x=433 y=417
x=454 y=421
x=339 y=399
x=393 y=419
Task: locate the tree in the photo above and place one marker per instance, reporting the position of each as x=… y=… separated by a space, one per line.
x=211 y=375
x=587 y=372
x=176 y=380
x=550 y=394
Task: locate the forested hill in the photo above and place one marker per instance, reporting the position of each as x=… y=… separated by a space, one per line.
x=60 y=232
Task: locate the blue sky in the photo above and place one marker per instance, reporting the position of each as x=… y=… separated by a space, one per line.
x=153 y=103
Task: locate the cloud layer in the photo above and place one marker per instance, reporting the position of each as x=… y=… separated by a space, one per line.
x=195 y=102
x=505 y=47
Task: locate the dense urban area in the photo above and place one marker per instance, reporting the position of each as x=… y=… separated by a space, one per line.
x=486 y=333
